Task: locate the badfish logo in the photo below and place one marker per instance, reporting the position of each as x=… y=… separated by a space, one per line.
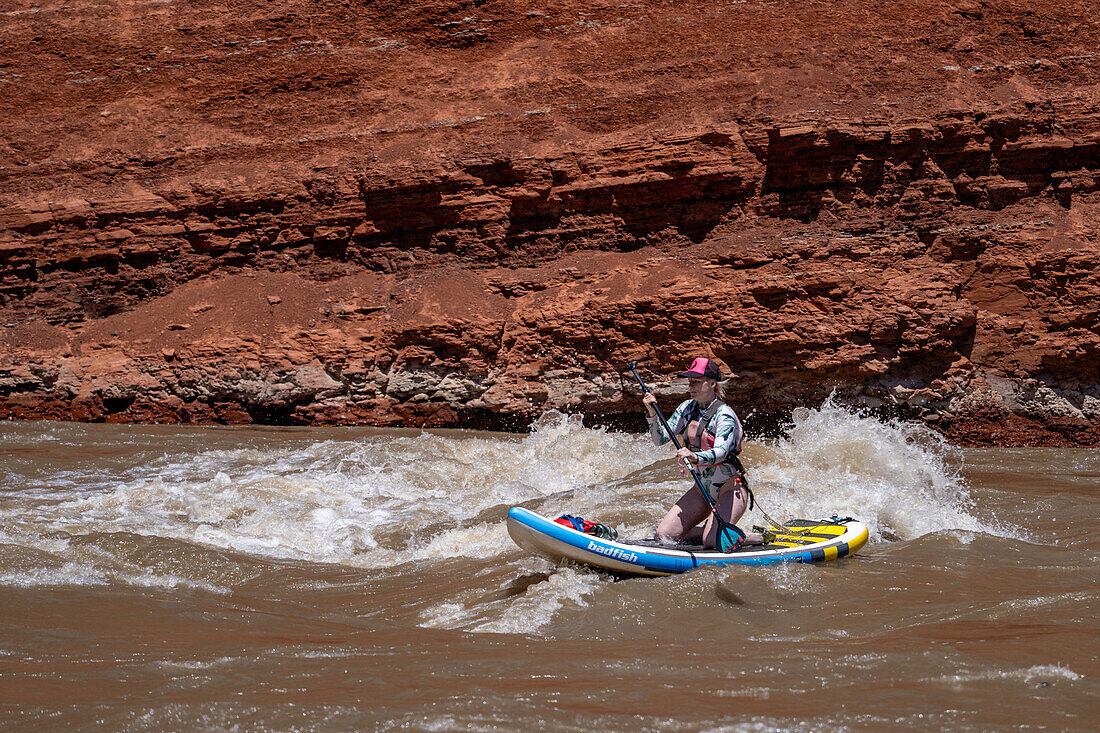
x=613 y=552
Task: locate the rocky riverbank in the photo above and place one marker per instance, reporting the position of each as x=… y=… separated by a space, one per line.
x=449 y=214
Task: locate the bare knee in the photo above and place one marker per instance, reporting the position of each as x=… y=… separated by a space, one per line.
x=669 y=529
x=732 y=502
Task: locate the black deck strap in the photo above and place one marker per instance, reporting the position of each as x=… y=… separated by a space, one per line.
x=702 y=418
x=710 y=412
x=706 y=417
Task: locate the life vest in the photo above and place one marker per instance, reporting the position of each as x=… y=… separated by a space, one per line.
x=699 y=436
x=700 y=433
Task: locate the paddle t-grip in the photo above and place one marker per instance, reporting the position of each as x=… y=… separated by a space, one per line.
x=633 y=367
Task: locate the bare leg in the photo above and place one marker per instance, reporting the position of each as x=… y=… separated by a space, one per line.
x=681 y=520
x=732 y=502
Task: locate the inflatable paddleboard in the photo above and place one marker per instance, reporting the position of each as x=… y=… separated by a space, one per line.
x=811 y=541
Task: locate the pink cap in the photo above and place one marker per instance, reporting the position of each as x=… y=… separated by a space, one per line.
x=703 y=367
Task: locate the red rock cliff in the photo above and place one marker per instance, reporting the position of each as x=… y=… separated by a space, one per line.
x=467 y=213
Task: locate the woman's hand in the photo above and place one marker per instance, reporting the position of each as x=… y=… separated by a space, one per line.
x=650 y=401
x=688 y=455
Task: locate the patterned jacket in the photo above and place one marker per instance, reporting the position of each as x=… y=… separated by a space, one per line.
x=714 y=464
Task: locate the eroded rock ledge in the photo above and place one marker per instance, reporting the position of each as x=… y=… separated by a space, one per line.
x=935 y=258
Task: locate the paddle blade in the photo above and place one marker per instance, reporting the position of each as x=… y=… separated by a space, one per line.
x=729 y=538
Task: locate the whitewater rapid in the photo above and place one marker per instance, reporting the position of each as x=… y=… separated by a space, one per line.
x=377 y=500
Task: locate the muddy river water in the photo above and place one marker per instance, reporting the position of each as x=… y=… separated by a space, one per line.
x=183 y=578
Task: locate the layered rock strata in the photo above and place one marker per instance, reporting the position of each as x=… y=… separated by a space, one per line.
x=374 y=262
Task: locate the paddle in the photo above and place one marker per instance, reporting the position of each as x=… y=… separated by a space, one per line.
x=728 y=535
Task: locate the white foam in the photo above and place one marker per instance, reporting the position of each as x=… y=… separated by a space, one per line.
x=523 y=614
x=195 y=664
x=67 y=574
x=895 y=477
x=77 y=573
x=438 y=722
x=479 y=541
x=1042 y=673
x=535 y=608
x=769 y=726
x=366 y=502
x=1013 y=607
x=1048 y=671
x=170 y=582
x=791 y=578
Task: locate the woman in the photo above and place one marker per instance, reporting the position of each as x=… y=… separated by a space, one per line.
x=712 y=440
